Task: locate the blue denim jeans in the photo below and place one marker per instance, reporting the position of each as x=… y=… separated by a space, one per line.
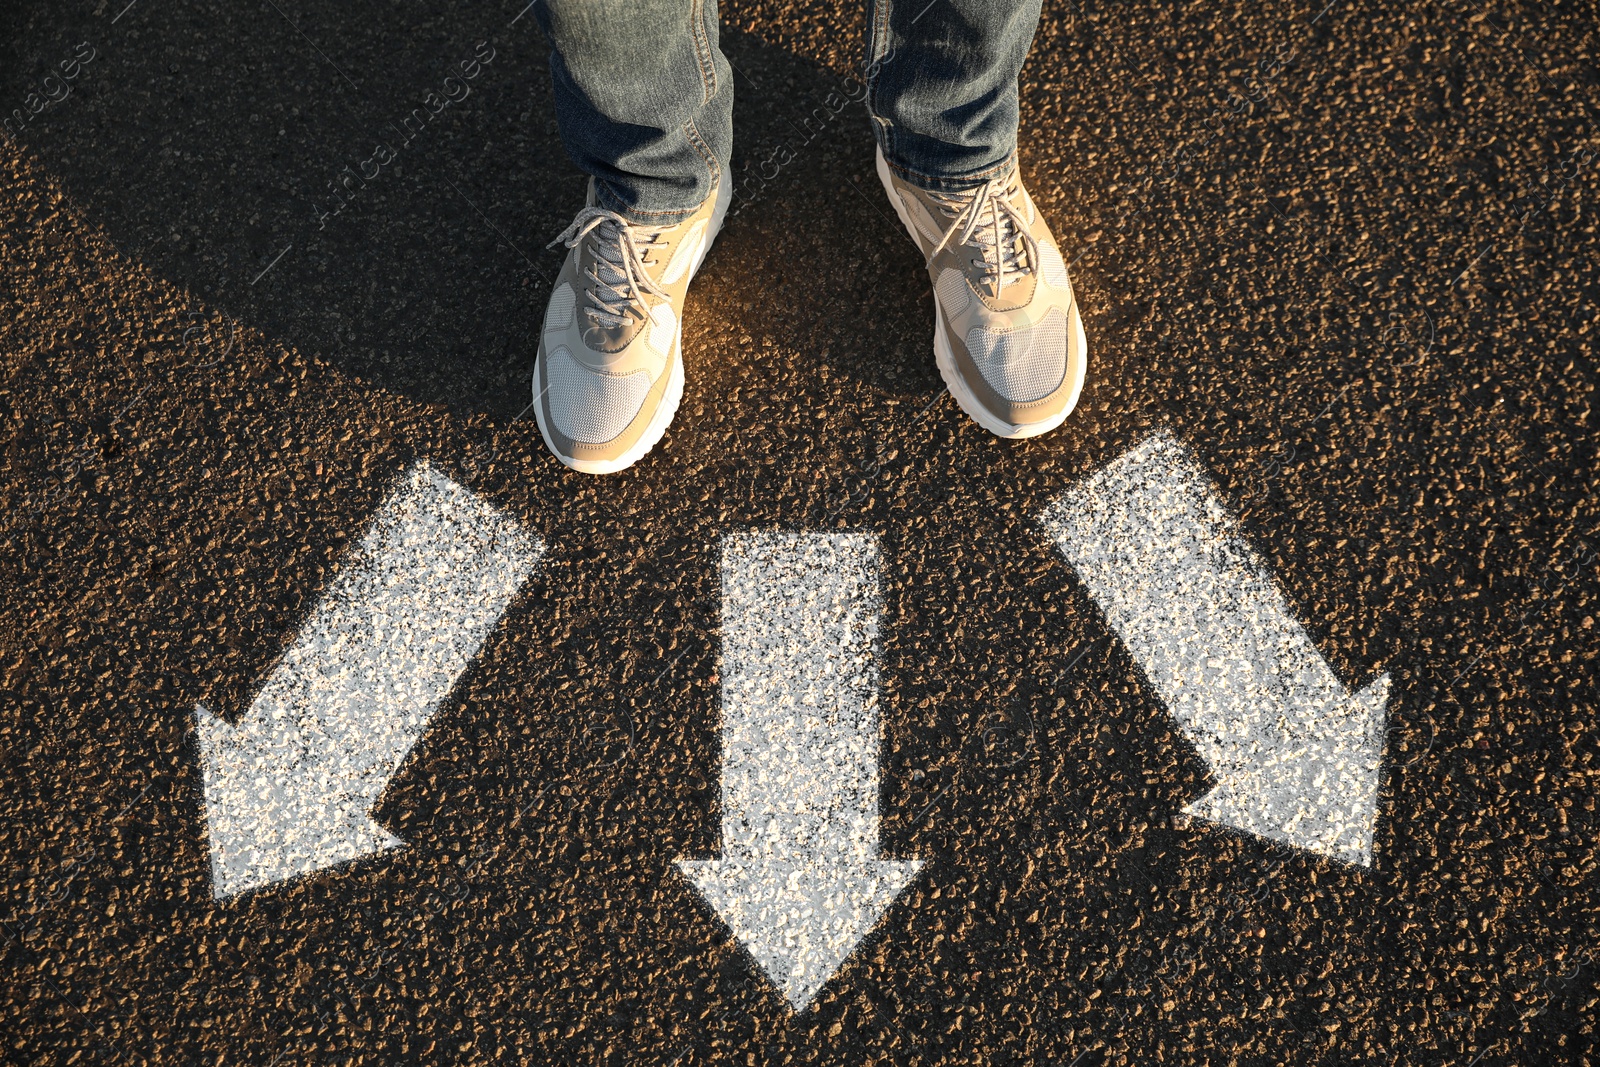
x=644 y=96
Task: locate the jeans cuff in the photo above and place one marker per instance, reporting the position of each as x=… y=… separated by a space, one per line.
x=667 y=217
x=952 y=183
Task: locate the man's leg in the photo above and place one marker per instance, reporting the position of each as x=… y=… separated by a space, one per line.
x=942 y=92
x=942 y=86
x=644 y=99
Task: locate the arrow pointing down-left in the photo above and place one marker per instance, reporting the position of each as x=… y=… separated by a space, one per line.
x=288 y=790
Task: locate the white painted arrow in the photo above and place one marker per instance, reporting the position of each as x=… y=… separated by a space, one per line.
x=1295 y=754
x=800 y=882
x=288 y=790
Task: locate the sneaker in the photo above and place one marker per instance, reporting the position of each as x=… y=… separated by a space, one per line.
x=610 y=369
x=1007 y=336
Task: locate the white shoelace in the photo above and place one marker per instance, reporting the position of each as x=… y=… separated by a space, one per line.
x=988 y=214
x=618 y=273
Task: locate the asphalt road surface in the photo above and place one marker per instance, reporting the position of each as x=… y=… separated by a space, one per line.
x=1337 y=266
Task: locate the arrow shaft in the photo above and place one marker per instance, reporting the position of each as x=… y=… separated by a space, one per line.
x=799 y=695
x=395 y=629
x=1151 y=540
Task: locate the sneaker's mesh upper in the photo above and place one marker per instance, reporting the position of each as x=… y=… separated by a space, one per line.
x=683 y=257
x=558 y=316
x=1052 y=267
x=1025 y=364
x=953 y=292
x=924 y=221
x=663 y=328
x=588 y=406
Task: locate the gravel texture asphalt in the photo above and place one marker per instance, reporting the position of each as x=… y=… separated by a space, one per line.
x=1346 y=254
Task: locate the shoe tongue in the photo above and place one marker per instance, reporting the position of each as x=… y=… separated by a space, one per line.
x=608 y=253
x=984 y=235
x=606 y=240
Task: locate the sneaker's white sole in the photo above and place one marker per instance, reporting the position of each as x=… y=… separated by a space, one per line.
x=946 y=362
x=662 y=418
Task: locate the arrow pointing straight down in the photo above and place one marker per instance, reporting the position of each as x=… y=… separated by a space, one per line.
x=800 y=882
x=288 y=790
x=1295 y=754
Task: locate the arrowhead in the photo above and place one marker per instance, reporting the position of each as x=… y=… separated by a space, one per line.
x=1316 y=791
x=800 y=919
x=270 y=814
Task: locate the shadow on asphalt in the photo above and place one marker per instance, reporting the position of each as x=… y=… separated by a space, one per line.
x=380 y=196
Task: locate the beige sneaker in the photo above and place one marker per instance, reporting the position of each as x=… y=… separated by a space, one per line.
x=609 y=373
x=1008 y=338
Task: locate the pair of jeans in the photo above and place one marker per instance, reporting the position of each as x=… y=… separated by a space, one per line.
x=644 y=95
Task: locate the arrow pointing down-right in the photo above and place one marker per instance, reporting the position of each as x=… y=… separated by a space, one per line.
x=1295 y=754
